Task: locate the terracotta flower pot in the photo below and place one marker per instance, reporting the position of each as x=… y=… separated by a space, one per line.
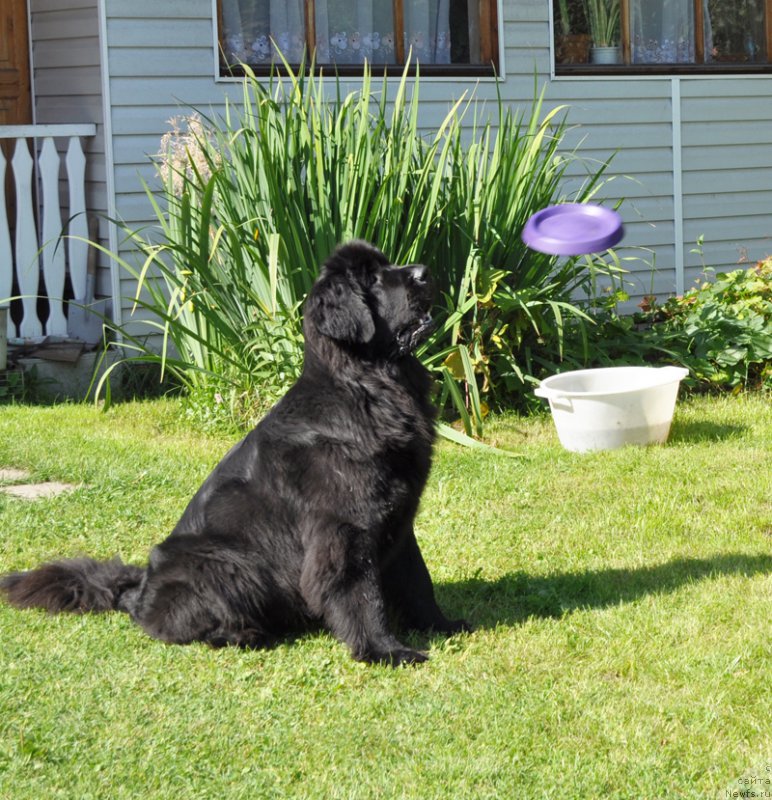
x=573 y=48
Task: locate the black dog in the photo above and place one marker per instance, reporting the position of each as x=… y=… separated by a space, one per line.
x=309 y=519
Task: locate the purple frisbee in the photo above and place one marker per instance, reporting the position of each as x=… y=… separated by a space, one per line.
x=573 y=229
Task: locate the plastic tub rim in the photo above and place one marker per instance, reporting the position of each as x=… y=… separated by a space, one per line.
x=665 y=375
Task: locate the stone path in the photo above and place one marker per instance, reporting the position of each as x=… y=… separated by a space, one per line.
x=15 y=483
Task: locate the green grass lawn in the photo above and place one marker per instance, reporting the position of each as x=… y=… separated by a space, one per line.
x=621 y=603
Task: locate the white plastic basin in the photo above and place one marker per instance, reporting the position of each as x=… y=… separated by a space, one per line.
x=603 y=409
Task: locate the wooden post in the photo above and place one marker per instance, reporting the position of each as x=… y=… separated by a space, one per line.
x=767 y=34
x=311 y=30
x=624 y=31
x=699 y=33
x=399 y=32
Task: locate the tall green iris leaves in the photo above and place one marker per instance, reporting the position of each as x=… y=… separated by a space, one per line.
x=255 y=199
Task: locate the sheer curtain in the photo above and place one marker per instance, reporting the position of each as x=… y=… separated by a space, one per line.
x=347 y=31
x=253 y=29
x=352 y=32
x=427 y=30
x=662 y=32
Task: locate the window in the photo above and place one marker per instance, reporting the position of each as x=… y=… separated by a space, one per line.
x=454 y=37
x=672 y=36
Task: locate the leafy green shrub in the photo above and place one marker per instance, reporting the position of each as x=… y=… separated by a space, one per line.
x=254 y=201
x=720 y=329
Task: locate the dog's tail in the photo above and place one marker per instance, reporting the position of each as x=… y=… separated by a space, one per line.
x=78 y=585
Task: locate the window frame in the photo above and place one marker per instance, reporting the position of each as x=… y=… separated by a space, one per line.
x=625 y=68
x=489 y=44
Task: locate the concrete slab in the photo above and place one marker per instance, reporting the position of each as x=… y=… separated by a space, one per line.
x=33 y=491
x=12 y=475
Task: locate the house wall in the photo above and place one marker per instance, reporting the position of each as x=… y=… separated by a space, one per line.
x=692 y=156
x=67 y=89
x=160 y=65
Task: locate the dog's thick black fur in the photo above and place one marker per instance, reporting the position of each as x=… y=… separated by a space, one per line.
x=309 y=519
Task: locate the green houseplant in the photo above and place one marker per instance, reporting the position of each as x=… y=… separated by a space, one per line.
x=603 y=18
x=564 y=17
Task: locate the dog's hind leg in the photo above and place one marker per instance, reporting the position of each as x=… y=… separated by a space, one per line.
x=175 y=610
x=340 y=583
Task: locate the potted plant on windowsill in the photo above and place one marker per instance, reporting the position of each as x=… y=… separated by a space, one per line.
x=570 y=47
x=603 y=21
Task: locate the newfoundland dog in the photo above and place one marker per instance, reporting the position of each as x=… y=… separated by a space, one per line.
x=308 y=520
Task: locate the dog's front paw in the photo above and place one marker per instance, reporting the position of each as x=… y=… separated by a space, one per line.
x=395 y=657
x=458 y=626
x=448 y=627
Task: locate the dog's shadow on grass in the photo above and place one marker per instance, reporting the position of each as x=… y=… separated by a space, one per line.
x=516 y=597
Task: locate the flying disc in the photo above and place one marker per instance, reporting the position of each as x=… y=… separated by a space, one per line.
x=573 y=229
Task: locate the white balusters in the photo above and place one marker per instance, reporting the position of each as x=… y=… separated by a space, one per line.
x=51 y=245
x=59 y=244
x=6 y=255
x=78 y=227
x=27 y=265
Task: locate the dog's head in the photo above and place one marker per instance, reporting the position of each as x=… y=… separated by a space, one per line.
x=361 y=299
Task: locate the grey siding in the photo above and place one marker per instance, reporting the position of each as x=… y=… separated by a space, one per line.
x=68 y=89
x=161 y=61
x=638 y=139
x=727 y=170
x=160 y=64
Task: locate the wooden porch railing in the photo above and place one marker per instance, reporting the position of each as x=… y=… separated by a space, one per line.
x=33 y=245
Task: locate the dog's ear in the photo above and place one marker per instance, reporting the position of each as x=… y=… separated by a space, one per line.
x=339 y=311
